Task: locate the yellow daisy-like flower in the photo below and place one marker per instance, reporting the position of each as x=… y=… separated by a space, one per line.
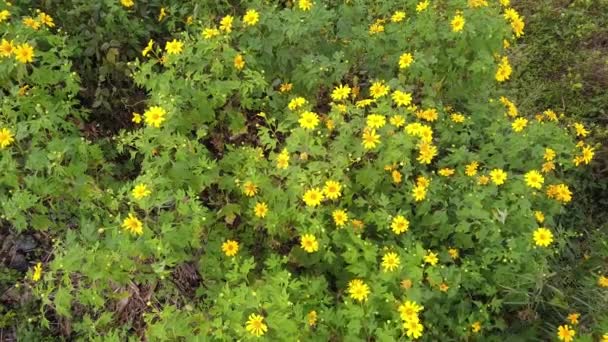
x=6 y=137
x=504 y=70
x=483 y=180
x=565 y=333
x=251 y=17
x=239 y=62
x=580 y=130
x=260 y=209
x=405 y=60
x=285 y=87
x=378 y=89
x=370 y=139
x=311 y=318
x=174 y=47
x=400 y=224
x=148 y=48
x=313 y=197
x=154 y=116
x=31 y=23
x=4 y=14
x=376 y=121
x=413 y=329
x=332 y=190
x=305 y=5
x=127 y=3
x=499 y=176
x=250 y=189
x=397 y=120
x=24 y=53
x=426 y=153
x=454 y=253
x=476 y=327
x=6 y=48
x=402 y=99
x=358 y=290
x=210 y=32
x=133 y=225
x=457 y=118
x=309 y=243
x=37 y=272
x=46 y=19
x=419 y=193
x=398 y=17
x=397 y=176
x=230 y=248
x=458 y=23
x=539 y=216
x=573 y=318
x=283 y=160
x=422 y=5
x=431 y=258
x=340 y=217
x=543 y=237
x=340 y=92
x=140 y=191
x=255 y=325
x=602 y=281
x=471 y=169
x=534 y=179
x=408 y=311
x=226 y=23
x=549 y=154
x=518 y=25
x=390 y=261
x=309 y=120
x=519 y=124
x=296 y=103
x=446 y=172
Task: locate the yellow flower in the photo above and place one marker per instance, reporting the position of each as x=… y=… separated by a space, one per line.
x=483 y=180
x=127 y=3
x=210 y=32
x=426 y=153
x=148 y=48
x=602 y=281
x=397 y=120
x=133 y=225
x=370 y=139
x=37 y=273
x=390 y=261
x=230 y=248
x=539 y=216
x=406 y=284
x=251 y=17
x=250 y=189
x=24 y=53
x=358 y=290
x=154 y=116
x=376 y=121
x=499 y=176
x=431 y=258
x=511 y=108
x=573 y=317
x=457 y=118
x=454 y=253
x=477 y=3
x=534 y=179
x=260 y=209
x=309 y=243
x=560 y=192
x=239 y=62
x=340 y=92
x=285 y=87
x=518 y=25
x=400 y=224
x=519 y=124
x=476 y=327
x=6 y=48
x=548 y=167
x=311 y=318
x=305 y=5
x=296 y=103
x=364 y=103
x=378 y=89
x=46 y=19
x=283 y=160
x=174 y=47
x=422 y=5
x=458 y=23
x=340 y=217
x=308 y=120
x=443 y=287
x=550 y=114
x=504 y=70
x=580 y=130
x=376 y=27
x=543 y=237
x=408 y=311
x=332 y=189
x=398 y=17
x=471 y=169
x=140 y=191
x=423 y=182
x=405 y=60
x=6 y=137
x=31 y=23
x=226 y=23
x=446 y=172
x=255 y=325
x=604 y=338
x=549 y=154
x=396 y=176
x=162 y=14
x=565 y=333
x=419 y=193
x=313 y=197
x=4 y=14
x=402 y=98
